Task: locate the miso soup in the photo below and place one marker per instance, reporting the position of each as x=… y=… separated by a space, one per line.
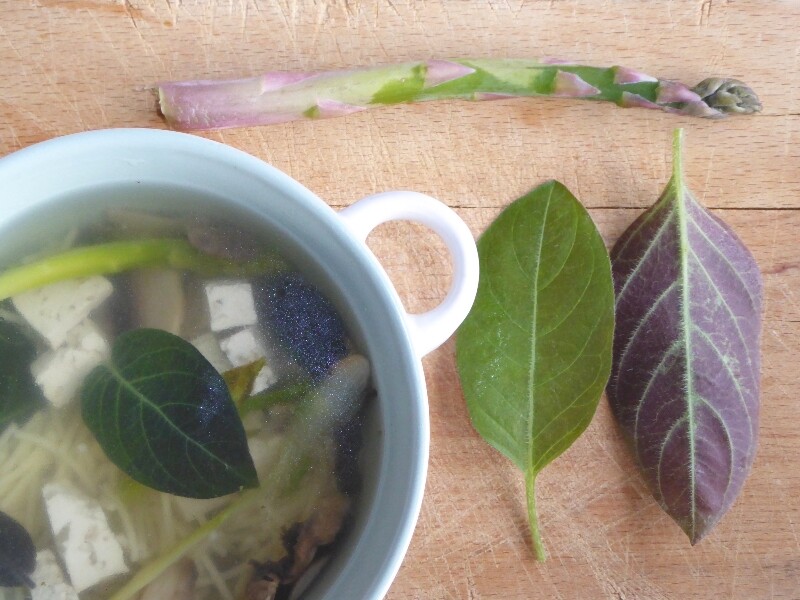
x=180 y=412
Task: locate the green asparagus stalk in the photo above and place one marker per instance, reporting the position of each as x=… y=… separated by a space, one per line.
x=276 y=97
x=115 y=257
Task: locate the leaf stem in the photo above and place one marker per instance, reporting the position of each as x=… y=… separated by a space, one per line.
x=533 y=519
x=677 y=157
x=115 y=257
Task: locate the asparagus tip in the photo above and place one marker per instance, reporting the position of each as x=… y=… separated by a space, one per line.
x=728 y=96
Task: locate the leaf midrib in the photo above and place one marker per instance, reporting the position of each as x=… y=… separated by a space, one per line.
x=533 y=339
x=681 y=194
x=117 y=374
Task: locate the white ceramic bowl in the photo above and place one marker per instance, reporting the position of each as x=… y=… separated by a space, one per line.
x=60 y=178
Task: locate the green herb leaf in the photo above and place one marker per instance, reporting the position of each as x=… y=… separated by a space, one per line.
x=286 y=393
x=17 y=554
x=20 y=397
x=535 y=352
x=240 y=380
x=165 y=417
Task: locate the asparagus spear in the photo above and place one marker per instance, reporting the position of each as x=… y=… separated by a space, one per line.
x=276 y=97
x=115 y=257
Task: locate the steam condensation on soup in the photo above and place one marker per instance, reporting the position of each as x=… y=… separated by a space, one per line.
x=179 y=417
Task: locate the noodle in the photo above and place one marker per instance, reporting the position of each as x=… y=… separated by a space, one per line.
x=213 y=575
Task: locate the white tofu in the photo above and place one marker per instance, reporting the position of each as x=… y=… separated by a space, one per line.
x=57 y=308
x=244 y=347
x=230 y=304
x=84 y=539
x=59 y=373
x=49 y=579
x=208 y=346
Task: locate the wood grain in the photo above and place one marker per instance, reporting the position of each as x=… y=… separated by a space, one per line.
x=74 y=65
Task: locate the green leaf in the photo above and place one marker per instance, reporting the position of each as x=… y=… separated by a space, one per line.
x=535 y=352
x=165 y=417
x=287 y=393
x=20 y=397
x=240 y=380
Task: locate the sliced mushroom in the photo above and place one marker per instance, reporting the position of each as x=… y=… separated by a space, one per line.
x=129 y=223
x=222 y=240
x=158 y=299
x=261 y=589
x=301 y=542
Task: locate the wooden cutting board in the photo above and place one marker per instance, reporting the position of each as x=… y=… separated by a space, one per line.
x=68 y=66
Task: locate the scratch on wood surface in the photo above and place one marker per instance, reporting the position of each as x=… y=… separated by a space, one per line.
x=391 y=5
x=709 y=172
x=286 y=16
x=705 y=13
x=111 y=7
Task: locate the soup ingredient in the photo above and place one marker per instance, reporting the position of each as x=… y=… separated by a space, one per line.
x=685 y=380
x=165 y=417
x=223 y=241
x=306 y=322
x=245 y=347
x=334 y=403
x=277 y=97
x=153 y=570
x=59 y=373
x=54 y=310
x=282 y=393
x=17 y=554
x=19 y=395
x=90 y=550
x=49 y=579
x=230 y=304
x=301 y=541
x=209 y=347
x=159 y=300
x=240 y=380
x=116 y=257
x=176 y=583
x=534 y=353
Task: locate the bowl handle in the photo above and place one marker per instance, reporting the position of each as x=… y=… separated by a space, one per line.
x=427 y=330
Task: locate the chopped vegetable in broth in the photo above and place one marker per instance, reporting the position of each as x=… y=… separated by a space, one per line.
x=180 y=416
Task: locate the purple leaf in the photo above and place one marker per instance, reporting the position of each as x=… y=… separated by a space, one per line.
x=685 y=378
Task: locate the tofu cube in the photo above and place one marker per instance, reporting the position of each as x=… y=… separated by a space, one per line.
x=49 y=579
x=84 y=539
x=230 y=304
x=56 y=309
x=244 y=347
x=60 y=372
x=208 y=346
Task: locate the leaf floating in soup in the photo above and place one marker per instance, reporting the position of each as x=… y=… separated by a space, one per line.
x=20 y=397
x=306 y=322
x=240 y=380
x=165 y=417
x=17 y=554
